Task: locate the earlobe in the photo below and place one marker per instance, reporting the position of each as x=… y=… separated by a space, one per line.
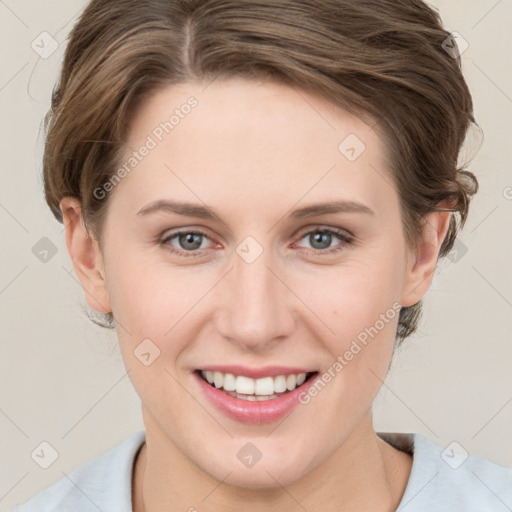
x=85 y=255
x=422 y=264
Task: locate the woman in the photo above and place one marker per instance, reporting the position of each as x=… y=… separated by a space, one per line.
x=256 y=195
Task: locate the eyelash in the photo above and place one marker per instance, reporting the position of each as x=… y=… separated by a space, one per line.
x=343 y=236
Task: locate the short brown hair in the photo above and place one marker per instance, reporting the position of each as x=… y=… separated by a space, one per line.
x=380 y=59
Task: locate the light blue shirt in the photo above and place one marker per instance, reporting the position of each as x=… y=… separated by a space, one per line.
x=440 y=481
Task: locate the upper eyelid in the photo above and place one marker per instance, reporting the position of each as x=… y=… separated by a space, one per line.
x=321 y=227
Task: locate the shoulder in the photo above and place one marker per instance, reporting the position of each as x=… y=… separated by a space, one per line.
x=450 y=479
x=103 y=483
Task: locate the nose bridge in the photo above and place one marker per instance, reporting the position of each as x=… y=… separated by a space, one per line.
x=257 y=309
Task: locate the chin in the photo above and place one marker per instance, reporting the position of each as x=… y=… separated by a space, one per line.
x=273 y=469
x=273 y=476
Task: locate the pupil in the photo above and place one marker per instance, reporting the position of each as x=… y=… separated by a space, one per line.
x=190 y=238
x=317 y=237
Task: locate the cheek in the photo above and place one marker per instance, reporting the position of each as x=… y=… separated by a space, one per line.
x=149 y=297
x=360 y=303
x=363 y=313
x=151 y=302
x=160 y=312
x=354 y=295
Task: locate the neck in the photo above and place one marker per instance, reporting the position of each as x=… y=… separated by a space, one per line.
x=364 y=473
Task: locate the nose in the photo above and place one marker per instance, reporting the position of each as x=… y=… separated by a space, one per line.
x=256 y=307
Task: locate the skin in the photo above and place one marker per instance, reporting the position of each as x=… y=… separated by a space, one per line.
x=253 y=152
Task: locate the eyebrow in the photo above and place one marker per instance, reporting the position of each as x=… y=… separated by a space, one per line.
x=203 y=212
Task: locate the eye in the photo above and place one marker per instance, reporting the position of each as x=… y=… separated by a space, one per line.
x=189 y=242
x=321 y=239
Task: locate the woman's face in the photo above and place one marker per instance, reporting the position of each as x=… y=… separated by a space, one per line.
x=260 y=288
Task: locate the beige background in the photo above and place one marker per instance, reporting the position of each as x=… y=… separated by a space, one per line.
x=62 y=378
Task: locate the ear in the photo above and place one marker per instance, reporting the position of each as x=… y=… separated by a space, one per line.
x=422 y=262
x=85 y=255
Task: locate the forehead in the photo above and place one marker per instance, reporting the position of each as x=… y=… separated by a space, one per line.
x=260 y=139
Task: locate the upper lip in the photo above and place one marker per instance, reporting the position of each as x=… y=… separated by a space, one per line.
x=255 y=373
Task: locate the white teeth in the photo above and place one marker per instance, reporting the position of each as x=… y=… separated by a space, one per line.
x=252 y=398
x=244 y=385
x=280 y=384
x=264 y=386
x=218 y=379
x=291 y=382
x=301 y=378
x=229 y=382
x=254 y=389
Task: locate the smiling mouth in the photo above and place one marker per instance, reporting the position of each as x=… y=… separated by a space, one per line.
x=246 y=388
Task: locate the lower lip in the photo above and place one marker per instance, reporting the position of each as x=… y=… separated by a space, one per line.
x=246 y=411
